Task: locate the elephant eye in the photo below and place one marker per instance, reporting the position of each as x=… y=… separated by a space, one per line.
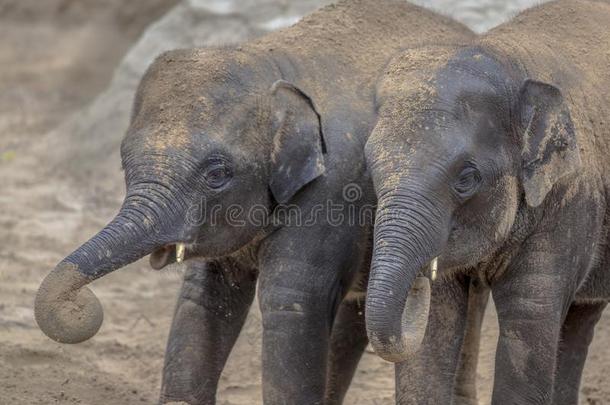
x=217 y=175
x=468 y=181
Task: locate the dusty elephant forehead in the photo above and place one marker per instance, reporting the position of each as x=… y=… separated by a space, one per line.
x=190 y=65
x=174 y=123
x=175 y=135
x=409 y=86
x=175 y=107
x=181 y=81
x=415 y=69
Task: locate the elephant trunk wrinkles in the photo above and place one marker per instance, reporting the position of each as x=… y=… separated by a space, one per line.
x=65 y=309
x=407 y=237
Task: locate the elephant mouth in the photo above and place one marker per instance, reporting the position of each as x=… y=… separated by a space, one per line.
x=169 y=254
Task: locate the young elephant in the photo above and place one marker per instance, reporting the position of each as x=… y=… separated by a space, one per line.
x=494 y=159
x=223 y=139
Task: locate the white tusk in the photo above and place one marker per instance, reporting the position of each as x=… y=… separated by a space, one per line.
x=180 y=252
x=434 y=268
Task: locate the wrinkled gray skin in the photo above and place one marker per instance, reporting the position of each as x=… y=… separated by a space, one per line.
x=494 y=158
x=219 y=140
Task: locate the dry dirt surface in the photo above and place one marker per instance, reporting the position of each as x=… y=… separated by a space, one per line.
x=55 y=56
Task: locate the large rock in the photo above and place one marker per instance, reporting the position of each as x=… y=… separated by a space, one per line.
x=87 y=146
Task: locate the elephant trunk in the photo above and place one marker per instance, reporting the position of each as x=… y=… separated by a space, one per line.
x=65 y=309
x=409 y=233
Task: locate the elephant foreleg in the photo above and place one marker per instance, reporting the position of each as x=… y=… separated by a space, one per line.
x=297 y=318
x=347 y=343
x=211 y=310
x=428 y=378
x=465 y=379
x=531 y=299
x=576 y=335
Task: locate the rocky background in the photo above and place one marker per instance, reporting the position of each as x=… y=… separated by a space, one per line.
x=68 y=71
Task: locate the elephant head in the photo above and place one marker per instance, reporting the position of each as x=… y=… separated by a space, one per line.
x=215 y=141
x=463 y=143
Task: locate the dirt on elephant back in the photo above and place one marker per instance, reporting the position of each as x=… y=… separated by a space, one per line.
x=55 y=55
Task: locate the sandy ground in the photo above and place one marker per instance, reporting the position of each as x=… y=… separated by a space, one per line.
x=50 y=64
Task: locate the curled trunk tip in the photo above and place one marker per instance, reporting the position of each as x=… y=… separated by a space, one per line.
x=65 y=309
x=405 y=340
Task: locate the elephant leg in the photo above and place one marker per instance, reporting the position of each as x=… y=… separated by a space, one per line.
x=297 y=316
x=300 y=288
x=576 y=335
x=347 y=343
x=466 y=377
x=428 y=378
x=211 y=310
x=531 y=299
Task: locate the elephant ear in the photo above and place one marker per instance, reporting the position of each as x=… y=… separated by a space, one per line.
x=550 y=150
x=298 y=145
